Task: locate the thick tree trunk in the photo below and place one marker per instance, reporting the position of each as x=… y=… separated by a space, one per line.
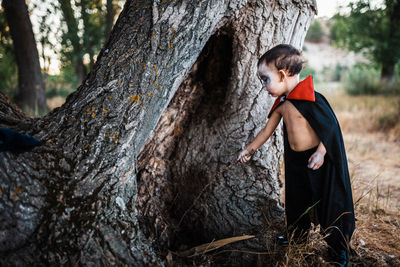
x=76 y=198
x=31 y=96
x=190 y=189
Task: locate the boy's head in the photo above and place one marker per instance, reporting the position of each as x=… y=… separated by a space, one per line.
x=278 y=68
x=284 y=57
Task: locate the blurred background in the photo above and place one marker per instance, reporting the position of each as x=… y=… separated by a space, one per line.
x=352 y=50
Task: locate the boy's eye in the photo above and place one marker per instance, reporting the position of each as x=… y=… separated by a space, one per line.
x=266 y=80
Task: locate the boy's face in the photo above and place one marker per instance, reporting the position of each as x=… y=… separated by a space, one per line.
x=272 y=79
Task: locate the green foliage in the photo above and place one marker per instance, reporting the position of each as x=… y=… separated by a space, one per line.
x=84 y=29
x=61 y=85
x=374 y=32
x=307 y=71
x=8 y=73
x=315 y=32
x=8 y=66
x=334 y=74
x=365 y=80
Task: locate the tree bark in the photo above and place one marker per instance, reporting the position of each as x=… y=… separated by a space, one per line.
x=202 y=195
x=77 y=200
x=110 y=15
x=72 y=25
x=31 y=96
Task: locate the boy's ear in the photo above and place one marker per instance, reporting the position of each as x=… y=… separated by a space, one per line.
x=282 y=75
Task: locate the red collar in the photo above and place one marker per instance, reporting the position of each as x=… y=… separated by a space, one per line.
x=304 y=90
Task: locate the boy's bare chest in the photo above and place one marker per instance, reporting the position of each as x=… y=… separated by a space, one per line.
x=291 y=115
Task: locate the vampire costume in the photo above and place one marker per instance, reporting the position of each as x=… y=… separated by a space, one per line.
x=16 y=142
x=326 y=190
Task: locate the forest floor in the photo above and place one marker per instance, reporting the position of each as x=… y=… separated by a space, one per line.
x=371 y=132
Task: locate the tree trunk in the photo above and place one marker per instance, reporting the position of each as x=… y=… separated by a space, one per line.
x=76 y=200
x=389 y=63
x=387 y=71
x=31 y=96
x=190 y=189
x=109 y=17
x=77 y=53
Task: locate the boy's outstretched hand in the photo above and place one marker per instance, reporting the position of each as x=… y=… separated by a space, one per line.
x=245 y=155
x=316 y=160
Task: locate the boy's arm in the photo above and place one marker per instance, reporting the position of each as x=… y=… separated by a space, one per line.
x=261 y=137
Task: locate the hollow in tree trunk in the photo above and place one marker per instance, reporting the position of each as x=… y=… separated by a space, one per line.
x=84 y=198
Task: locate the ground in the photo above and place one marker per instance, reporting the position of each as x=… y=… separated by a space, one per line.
x=371 y=132
x=373 y=151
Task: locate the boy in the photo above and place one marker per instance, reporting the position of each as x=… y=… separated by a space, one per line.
x=316 y=172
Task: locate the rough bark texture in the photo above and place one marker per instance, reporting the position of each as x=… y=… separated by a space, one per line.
x=187 y=166
x=75 y=199
x=31 y=96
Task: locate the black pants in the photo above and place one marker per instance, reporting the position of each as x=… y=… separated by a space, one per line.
x=305 y=194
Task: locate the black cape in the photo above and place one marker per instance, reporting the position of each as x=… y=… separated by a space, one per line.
x=336 y=204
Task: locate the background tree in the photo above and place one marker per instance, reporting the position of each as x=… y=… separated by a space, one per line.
x=96 y=19
x=8 y=66
x=373 y=31
x=315 y=33
x=30 y=96
x=184 y=73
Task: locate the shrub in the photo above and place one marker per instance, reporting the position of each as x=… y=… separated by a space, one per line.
x=365 y=80
x=315 y=32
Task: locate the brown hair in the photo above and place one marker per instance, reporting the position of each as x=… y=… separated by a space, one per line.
x=285 y=57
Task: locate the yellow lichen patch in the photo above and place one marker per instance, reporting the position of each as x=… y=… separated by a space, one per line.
x=153 y=35
x=111 y=63
x=137 y=4
x=159 y=87
x=92 y=108
x=87 y=145
x=110 y=97
x=155 y=83
x=94 y=115
x=135 y=98
x=18 y=190
x=74 y=118
x=108 y=134
x=171 y=45
x=105 y=111
x=173 y=29
x=85 y=121
x=119 y=83
x=164 y=1
x=124 y=123
x=14 y=196
x=144 y=65
x=88 y=111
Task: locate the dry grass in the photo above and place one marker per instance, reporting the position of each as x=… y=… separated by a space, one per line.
x=373 y=152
